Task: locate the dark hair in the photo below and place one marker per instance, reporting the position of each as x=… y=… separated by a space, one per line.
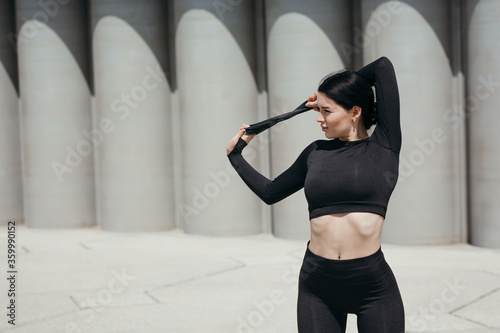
x=348 y=89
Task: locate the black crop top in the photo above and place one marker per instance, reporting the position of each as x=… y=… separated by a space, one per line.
x=341 y=176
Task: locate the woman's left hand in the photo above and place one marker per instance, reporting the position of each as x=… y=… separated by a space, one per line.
x=241 y=134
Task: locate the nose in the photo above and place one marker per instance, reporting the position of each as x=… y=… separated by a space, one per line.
x=320 y=118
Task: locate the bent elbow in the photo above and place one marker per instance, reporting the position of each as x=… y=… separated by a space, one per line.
x=269 y=200
x=384 y=62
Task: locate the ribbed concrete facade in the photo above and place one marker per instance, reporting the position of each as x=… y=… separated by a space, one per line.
x=216 y=76
x=295 y=64
x=11 y=195
x=133 y=115
x=55 y=112
x=428 y=170
x=117 y=113
x=483 y=98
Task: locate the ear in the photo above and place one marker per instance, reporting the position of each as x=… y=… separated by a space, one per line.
x=356 y=112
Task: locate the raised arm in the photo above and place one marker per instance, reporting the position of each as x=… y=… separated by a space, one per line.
x=271 y=191
x=381 y=74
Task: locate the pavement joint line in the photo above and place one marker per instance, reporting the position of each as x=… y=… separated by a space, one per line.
x=76 y=303
x=85 y=246
x=152 y=297
x=474 y=300
x=472 y=321
x=495 y=274
x=197 y=278
x=101 y=307
x=23 y=324
x=238 y=261
x=398 y=265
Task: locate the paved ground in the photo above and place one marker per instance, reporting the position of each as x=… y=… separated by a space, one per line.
x=89 y=280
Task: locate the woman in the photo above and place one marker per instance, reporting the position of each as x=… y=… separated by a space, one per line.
x=347 y=181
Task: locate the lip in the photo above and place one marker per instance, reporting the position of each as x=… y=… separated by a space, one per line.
x=324 y=128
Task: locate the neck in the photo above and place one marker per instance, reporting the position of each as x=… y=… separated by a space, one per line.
x=355 y=134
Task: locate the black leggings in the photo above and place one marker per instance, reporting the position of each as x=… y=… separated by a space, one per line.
x=329 y=289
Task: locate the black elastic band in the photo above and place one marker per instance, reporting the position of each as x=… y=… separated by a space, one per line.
x=265 y=124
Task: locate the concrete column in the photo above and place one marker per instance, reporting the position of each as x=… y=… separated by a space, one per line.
x=424 y=208
x=11 y=195
x=482 y=100
x=215 y=55
x=55 y=101
x=130 y=53
x=261 y=78
x=306 y=40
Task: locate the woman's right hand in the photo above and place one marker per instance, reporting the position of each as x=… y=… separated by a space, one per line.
x=312 y=101
x=240 y=134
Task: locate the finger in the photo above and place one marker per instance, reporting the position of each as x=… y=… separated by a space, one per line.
x=239 y=134
x=244 y=127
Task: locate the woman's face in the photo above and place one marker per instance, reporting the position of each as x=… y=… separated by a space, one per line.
x=335 y=121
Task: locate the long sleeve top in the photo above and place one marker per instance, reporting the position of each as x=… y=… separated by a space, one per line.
x=341 y=176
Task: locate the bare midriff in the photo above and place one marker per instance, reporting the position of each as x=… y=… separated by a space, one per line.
x=346 y=235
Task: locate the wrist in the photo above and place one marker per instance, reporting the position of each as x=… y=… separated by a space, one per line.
x=238 y=148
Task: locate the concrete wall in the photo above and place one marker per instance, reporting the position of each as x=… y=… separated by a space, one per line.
x=216 y=71
x=133 y=108
x=427 y=168
x=294 y=30
x=55 y=103
x=11 y=195
x=482 y=100
x=127 y=107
